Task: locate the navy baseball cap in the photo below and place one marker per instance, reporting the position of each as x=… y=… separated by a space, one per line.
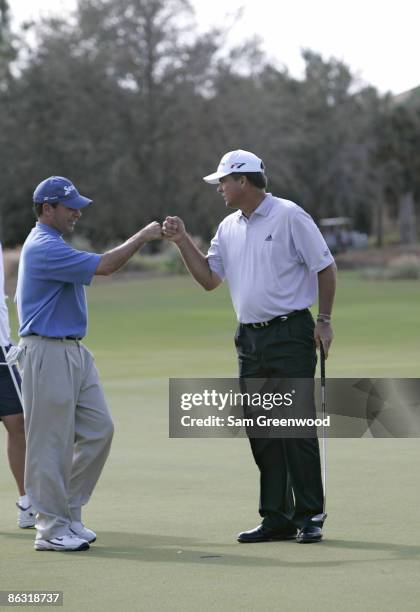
x=57 y=189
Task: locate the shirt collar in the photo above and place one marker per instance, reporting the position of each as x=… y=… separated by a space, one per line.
x=262 y=209
x=47 y=229
x=265 y=207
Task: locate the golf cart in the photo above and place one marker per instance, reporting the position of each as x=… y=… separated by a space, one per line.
x=340 y=236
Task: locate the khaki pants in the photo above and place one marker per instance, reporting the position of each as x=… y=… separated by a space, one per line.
x=68 y=430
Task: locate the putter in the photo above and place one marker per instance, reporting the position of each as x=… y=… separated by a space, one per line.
x=12 y=374
x=323 y=515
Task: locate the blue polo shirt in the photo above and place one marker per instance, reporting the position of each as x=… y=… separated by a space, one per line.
x=50 y=292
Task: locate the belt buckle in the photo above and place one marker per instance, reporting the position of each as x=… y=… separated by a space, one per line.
x=259 y=325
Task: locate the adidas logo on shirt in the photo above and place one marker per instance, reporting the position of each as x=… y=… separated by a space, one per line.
x=269 y=237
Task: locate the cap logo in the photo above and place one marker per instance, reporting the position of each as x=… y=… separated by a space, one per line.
x=238 y=165
x=68 y=189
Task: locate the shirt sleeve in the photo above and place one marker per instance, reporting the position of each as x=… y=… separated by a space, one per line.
x=68 y=265
x=309 y=243
x=214 y=257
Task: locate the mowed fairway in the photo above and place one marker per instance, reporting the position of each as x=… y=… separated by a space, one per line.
x=167 y=511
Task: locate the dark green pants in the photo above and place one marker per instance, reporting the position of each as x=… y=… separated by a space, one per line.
x=290 y=468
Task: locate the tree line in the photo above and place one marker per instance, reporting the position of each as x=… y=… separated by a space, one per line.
x=133 y=104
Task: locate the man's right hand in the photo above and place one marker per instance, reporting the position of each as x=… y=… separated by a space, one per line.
x=173 y=229
x=153 y=231
x=116 y=258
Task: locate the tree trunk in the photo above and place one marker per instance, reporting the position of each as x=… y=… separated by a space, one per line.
x=379 y=222
x=407 y=219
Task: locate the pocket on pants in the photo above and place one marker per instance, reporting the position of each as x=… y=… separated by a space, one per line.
x=302 y=328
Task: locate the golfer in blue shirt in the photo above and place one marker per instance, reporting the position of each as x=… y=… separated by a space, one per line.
x=67 y=422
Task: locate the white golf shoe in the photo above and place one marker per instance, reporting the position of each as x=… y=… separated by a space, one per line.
x=64 y=543
x=82 y=532
x=26 y=516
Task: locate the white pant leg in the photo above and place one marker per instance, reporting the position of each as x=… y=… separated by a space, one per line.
x=93 y=435
x=50 y=382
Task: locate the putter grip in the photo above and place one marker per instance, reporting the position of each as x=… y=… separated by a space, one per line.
x=321 y=349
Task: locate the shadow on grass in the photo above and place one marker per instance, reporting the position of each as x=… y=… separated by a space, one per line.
x=153 y=548
x=402 y=551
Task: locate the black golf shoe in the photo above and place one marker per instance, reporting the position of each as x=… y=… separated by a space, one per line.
x=264 y=534
x=309 y=534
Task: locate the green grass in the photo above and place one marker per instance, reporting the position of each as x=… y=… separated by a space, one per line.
x=167 y=511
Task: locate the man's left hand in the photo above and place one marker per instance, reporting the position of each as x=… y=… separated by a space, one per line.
x=323 y=333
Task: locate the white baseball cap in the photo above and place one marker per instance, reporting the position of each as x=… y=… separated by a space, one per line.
x=235 y=161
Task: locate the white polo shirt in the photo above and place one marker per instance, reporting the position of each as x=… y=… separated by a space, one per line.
x=270 y=260
x=4 y=314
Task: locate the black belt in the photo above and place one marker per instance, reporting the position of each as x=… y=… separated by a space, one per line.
x=57 y=337
x=281 y=318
